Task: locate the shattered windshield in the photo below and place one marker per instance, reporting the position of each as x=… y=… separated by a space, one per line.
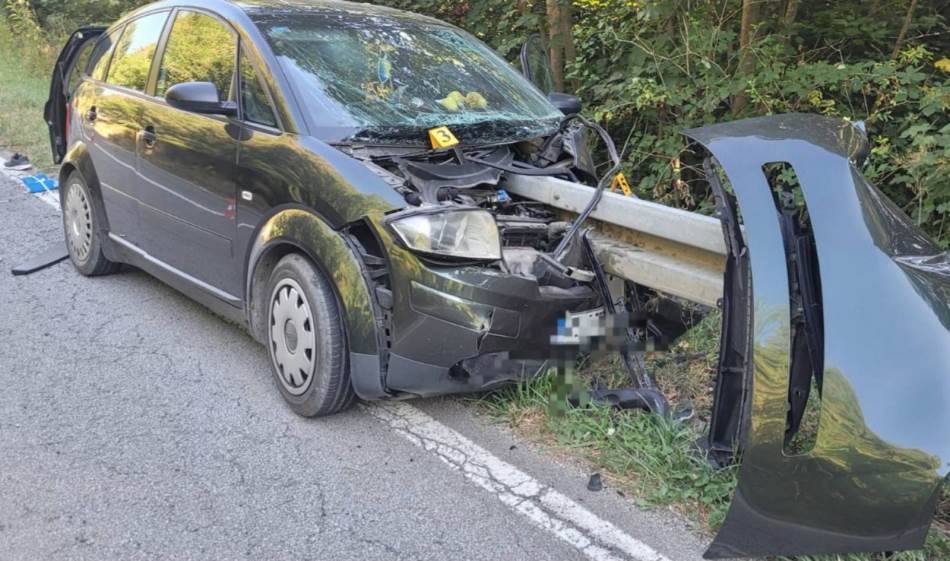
x=392 y=79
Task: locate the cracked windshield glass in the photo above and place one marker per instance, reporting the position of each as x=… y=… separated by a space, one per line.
x=390 y=79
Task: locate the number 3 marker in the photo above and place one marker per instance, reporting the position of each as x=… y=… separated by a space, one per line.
x=442 y=137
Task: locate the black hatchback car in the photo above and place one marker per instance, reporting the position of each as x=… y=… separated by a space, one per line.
x=335 y=177
x=331 y=176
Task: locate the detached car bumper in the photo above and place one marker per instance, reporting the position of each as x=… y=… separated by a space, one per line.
x=882 y=451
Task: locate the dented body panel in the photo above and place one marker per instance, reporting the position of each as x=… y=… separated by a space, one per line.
x=872 y=480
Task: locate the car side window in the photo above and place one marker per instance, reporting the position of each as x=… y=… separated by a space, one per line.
x=254 y=99
x=135 y=51
x=74 y=78
x=200 y=49
x=99 y=61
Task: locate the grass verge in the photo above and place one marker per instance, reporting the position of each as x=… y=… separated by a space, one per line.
x=653 y=461
x=22 y=97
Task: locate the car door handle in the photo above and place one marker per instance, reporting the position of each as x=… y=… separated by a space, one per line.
x=92 y=115
x=149 y=137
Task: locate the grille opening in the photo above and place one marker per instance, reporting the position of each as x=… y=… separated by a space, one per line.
x=806 y=355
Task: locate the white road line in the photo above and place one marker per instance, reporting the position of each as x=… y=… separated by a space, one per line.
x=544 y=506
x=49 y=197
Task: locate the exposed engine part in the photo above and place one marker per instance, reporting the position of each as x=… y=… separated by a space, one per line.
x=450 y=171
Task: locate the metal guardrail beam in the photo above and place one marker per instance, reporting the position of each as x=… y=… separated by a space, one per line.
x=671 y=250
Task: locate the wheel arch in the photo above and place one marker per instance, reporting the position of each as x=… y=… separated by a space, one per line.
x=77 y=159
x=298 y=230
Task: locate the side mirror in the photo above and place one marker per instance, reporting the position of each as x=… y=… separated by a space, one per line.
x=536 y=67
x=199 y=97
x=566 y=103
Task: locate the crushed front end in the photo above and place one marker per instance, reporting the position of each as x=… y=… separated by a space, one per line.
x=465 y=277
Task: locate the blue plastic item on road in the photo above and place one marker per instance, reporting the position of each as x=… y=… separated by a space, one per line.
x=39 y=183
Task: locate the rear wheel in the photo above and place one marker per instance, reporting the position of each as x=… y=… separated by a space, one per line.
x=305 y=340
x=82 y=223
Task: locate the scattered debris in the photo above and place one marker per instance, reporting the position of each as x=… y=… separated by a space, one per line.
x=47 y=258
x=40 y=183
x=596 y=483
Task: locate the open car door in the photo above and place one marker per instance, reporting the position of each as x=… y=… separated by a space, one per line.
x=56 y=111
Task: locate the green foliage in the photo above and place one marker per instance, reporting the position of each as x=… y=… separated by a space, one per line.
x=648 y=69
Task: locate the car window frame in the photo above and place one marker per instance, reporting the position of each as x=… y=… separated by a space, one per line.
x=90 y=64
x=79 y=71
x=256 y=68
x=125 y=26
x=163 y=45
x=113 y=34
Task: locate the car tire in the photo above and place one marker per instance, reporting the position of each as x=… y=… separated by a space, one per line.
x=306 y=340
x=83 y=226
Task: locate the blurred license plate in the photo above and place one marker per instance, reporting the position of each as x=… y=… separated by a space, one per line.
x=576 y=328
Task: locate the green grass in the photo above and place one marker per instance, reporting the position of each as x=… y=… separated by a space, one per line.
x=22 y=97
x=650 y=459
x=653 y=461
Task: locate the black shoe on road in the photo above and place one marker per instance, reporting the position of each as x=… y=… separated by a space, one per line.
x=18 y=162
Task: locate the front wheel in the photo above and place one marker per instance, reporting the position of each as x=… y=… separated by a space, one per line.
x=82 y=223
x=305 y=340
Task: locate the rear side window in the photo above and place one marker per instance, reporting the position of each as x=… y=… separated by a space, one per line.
x=78 y=68
x=254 y=99
x=99 y=61
x=135 y=50
x=200 y=49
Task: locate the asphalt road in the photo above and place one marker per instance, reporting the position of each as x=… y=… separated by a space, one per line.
x=134 y=424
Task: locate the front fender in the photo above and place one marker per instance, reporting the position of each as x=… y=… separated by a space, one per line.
x=304 y=231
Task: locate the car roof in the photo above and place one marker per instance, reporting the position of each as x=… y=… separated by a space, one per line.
x=327 y=6
x=251 y=8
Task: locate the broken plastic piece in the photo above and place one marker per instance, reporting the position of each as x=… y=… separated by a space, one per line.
x=643 y=399
x=47 y=258
x=596 y=483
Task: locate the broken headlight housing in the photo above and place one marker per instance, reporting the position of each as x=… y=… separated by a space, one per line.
x=467 y=234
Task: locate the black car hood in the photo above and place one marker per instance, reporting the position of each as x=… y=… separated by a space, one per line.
x=883 y=445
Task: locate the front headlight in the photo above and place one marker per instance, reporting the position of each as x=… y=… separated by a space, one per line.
x=458 y=233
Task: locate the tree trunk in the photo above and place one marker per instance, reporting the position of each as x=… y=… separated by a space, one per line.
x=567 y=36
x=751 y=15
x=788 y=20
x=791 y=12
x=904 y=28
x=556 y=43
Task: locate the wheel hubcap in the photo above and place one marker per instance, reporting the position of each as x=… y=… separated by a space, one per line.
x=292 y=339
x=78 y=218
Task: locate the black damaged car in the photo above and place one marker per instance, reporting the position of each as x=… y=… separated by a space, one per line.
x=327 y=174
x=342 y=180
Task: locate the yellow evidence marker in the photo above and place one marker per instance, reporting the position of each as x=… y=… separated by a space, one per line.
x=620 y=180
x=442 y=137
